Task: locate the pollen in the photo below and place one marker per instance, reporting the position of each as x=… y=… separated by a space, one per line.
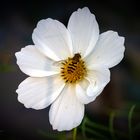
x=73 y=69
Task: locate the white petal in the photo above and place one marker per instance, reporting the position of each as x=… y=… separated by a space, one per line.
x=52 y=38
x=34 y=63
x=38 y=93
x=66 y=112
x=98 y=78
x=81 y=92
x=109 y=50
x=84 y=31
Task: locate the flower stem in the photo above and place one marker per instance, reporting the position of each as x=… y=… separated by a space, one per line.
x=111 y=120
x=84 y=127
x=74 y=133
x=130 y=121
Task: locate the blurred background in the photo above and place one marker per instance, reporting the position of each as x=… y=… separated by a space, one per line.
x=17 y=21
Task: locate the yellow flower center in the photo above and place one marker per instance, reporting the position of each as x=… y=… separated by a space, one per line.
x=73 y=69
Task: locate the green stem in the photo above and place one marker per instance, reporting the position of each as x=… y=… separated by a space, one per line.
x=130 y=121
x=74 y=133
x=111 y=128
x=84 y=127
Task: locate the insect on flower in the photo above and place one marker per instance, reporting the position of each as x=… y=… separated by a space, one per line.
x=67 y=67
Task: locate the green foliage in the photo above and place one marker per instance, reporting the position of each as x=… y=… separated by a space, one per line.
x=6 y=67
x=6 y=62
x=90 y=130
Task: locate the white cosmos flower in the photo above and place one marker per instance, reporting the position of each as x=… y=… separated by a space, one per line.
x=67 y=67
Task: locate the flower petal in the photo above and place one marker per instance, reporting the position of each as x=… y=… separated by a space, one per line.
x=66 y=112
x=38 y=93
x=52 y=38
x=84 y=31
x=34 y=63
x=98 y=78
x=81 y=92
x=81 y=89
x=109 y=50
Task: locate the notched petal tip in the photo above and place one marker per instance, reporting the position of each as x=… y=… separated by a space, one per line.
x=122 y=39
x=83 y=9
x=115 y=34
x=16 y=54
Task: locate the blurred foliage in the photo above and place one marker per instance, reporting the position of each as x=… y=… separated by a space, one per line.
x=5 y=62
x=90 y=130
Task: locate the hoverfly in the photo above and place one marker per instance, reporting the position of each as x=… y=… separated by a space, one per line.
x=73 y=60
